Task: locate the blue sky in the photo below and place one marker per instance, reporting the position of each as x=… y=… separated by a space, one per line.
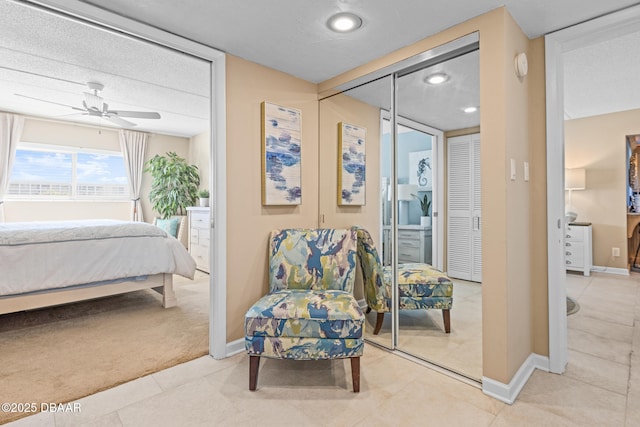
x=39 y=166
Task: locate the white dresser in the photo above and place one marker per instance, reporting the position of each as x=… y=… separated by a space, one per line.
x=578 y=254
x=199 y=236
x=414 y=243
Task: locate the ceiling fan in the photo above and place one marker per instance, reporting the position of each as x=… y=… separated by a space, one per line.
x=94 y=105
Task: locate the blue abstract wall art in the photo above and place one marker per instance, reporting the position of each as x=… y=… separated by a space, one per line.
x=351 y=164
x=281 y=155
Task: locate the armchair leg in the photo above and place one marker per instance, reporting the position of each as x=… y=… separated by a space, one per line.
x=254 y=366
x=355 y=373
x=446 y=317
x=379 y=321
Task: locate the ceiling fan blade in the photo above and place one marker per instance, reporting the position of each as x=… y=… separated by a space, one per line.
x=50 y=102
x=119 y=121
x=135 y=114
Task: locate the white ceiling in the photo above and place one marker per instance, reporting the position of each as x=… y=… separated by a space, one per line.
x=48 y=59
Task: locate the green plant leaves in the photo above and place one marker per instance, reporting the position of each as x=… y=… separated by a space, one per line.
x=174 y=186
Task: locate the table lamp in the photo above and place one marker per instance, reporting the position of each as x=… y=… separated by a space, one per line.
x=405 y=195
x=574 y=179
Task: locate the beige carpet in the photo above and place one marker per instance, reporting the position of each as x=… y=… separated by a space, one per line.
x=62 y=353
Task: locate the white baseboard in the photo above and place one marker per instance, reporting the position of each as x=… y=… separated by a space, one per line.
x=509 y=392
x=235 y=347
x=610 y=270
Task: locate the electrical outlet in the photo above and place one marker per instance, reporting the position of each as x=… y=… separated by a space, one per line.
x=615 y=251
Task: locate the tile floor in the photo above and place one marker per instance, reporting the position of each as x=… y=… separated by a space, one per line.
x=601 y=386
x=422 y=332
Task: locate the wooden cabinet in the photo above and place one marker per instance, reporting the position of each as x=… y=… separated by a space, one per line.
x=578 y=254
x=199 y=236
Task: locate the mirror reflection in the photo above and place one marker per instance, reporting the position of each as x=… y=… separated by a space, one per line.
x=429 y=174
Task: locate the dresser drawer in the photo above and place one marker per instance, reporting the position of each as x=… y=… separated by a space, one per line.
x=194 y=234
x=574 y=233
x=408 y=243
x=200 y=255
x=574 y=255
x=199 y=220
x=408 y=235
x=203 y=237
x=408 y=254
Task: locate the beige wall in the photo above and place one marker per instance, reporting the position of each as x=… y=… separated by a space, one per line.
x=538 y=190
x=598 y=144
x=249 y=223
x=64 y=133
x=199 y=155
x=343 y=108
x=509 y=321
x=517 y=287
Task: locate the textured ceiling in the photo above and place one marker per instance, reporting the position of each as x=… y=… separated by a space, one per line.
x=603 y=77
x=292 y=36
x=53 y=58
x=50 y=58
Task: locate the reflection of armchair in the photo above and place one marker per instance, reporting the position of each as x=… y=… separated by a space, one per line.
x=420 y=286
x=310 y=312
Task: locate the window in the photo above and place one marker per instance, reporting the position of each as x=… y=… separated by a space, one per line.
x=42 y=171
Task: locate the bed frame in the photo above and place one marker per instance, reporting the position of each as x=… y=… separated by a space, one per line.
x=161 y=283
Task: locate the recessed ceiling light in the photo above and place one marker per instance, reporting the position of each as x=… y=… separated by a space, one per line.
x=437 y=78
x=469 y=110
x=344 y=22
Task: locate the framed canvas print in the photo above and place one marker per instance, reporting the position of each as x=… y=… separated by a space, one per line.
x=281 y=155
x=420 y=169
x=351 y=164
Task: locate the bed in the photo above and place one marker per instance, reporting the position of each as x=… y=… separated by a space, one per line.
x=57 y=262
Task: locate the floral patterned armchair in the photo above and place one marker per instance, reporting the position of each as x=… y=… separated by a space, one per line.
x=420 y=286
x=310 y=312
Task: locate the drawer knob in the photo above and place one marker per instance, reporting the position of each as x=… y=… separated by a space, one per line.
x=568 y=262
x=567 y=253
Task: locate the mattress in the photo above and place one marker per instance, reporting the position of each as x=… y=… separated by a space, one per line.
x=36 y=256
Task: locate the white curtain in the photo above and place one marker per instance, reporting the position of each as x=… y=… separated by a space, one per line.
x=134 y=145
x=10 y=133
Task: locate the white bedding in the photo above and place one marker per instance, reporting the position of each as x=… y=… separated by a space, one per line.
x=36 y=256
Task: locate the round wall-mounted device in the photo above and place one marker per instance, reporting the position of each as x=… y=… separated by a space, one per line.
x=521 y=64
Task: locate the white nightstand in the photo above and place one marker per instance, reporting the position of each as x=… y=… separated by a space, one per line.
x=199 y=232
x=578 y=254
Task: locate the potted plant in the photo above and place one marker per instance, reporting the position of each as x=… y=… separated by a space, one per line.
x=425 y=204
x=204 y=197
x=174 y=186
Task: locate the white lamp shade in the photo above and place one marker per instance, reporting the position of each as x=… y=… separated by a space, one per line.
x=405 y=191
x=575 y=179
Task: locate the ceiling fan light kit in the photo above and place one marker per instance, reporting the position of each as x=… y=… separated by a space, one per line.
x=94 y=105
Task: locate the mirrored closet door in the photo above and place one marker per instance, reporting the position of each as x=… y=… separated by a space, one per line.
x=409 y=118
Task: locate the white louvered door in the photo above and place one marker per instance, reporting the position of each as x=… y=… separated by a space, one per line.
x=464 y=216
x=476 y=214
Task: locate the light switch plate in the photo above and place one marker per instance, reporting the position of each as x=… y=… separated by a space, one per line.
x=526 y=171
x=513 y=169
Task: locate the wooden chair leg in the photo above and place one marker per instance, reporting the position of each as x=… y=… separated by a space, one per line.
x=446 y=317
x=254 y=366
x=355 y=373
x=379 y=321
